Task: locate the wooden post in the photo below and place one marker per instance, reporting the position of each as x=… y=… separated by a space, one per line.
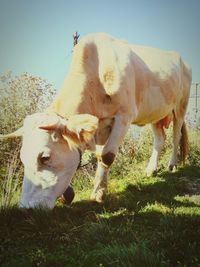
x=76 y=36
x=196 y=101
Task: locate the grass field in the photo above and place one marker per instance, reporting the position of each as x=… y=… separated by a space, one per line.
x=144 y=222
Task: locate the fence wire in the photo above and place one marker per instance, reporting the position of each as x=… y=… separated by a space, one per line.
x=193 y=111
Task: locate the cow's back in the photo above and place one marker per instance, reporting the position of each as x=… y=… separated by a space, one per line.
x=162 y=80
x=108 y=76
x=156 y=60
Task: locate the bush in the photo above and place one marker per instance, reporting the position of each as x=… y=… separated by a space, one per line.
x=194 y=149
x=20 y=96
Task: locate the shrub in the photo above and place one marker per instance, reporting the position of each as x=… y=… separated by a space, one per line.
x=194 y=149
x=20 y=96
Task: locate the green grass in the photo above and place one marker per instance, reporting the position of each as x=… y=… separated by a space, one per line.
x=144 y=222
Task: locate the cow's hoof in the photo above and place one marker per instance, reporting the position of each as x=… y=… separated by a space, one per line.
x=150 y=172
x=172 y=168
x=68 y=196
x=98 y=196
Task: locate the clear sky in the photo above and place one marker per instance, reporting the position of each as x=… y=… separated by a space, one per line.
x=36 y=35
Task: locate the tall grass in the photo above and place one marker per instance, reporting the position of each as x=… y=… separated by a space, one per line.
x=11 y=180
x=130 y=153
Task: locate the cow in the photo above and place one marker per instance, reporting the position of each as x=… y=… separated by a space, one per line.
x=111 y=84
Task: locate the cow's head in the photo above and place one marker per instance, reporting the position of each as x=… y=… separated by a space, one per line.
x=50 y=154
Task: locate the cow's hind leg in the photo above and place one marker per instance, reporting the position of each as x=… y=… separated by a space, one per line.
x=179 y=127
x=179 y=138
x=159 y=139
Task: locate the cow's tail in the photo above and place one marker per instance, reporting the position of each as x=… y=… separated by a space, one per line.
x=184 y=145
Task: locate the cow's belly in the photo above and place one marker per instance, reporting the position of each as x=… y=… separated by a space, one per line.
x=153 y=107
x=153 y=117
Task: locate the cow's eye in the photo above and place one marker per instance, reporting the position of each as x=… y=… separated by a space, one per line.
x=55 y=136
x=43 y=158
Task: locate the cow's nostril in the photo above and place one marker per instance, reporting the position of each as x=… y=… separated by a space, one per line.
x=43 y=158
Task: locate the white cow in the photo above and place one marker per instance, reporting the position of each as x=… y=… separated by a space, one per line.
x=111 y=84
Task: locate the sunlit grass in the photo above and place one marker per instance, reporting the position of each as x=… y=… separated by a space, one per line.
x=189 y=199
x=156 y=207
x=144 y=221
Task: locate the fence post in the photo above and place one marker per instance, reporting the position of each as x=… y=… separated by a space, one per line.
x=75 y=37
x=196 y=100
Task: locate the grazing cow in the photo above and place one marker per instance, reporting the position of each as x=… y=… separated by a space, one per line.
x=111 y=84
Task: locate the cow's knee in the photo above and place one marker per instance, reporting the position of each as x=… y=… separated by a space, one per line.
x=108 y=158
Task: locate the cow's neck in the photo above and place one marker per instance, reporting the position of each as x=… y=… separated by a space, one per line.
x=71 y=98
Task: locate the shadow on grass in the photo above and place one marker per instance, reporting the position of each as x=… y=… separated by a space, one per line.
x=144 y=225
x=160 y=213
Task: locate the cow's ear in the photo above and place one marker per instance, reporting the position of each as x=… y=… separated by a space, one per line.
x=80 y=128
x=77 y=129
x=51 y=123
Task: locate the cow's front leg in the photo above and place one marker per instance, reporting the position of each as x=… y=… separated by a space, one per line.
x=107 y=155
x=119 y=129
x=100 y=182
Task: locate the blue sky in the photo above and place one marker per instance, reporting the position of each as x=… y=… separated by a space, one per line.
x=36 y=35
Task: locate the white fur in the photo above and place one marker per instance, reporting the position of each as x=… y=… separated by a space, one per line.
x=44 y=183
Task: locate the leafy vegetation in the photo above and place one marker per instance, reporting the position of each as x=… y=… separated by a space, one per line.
x=20 y=96
x=144 y=222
